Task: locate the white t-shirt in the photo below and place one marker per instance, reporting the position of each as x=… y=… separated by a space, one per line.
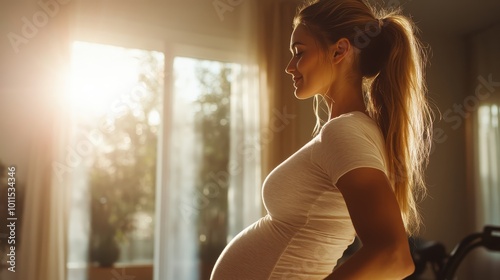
x=307 y=226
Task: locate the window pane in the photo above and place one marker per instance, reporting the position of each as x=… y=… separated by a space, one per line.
x=199 y=161
x=488 y=167
x=116 y=96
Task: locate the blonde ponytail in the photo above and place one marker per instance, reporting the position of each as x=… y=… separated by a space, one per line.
x=397 y=101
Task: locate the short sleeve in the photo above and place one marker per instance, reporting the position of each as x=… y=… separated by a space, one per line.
x=349 y=142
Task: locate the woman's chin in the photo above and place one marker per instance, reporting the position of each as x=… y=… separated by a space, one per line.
x=300 y=94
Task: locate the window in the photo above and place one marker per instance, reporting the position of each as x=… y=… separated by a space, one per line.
x=212 y=163
x=488 y=168
x=174 y=148
x=199 y=154
x=484 y=263
x=116 y=96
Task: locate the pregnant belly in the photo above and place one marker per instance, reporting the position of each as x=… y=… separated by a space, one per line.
x=269 y=249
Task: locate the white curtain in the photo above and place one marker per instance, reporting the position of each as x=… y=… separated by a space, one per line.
x=245 y=145
x=178 y=213
x=184 y=201
x=35 y=58
x=485 y=67
x=245 y=158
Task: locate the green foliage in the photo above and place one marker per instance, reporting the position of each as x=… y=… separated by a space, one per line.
x=123 y=175
x=212 y=123
x=122 y=178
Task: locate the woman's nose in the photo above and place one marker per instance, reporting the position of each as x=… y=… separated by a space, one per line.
x=290 y=68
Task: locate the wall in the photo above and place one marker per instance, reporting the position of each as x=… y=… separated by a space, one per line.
x=445 y=210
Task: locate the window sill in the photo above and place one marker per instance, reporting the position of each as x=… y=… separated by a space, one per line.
x=118 y=271
x=121 y=271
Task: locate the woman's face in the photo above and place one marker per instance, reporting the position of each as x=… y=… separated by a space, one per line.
x=310 y=67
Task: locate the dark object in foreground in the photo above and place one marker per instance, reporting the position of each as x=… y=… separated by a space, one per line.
x=444 y=266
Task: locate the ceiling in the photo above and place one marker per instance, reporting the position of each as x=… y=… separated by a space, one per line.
x=451 y=17
x=454 y=17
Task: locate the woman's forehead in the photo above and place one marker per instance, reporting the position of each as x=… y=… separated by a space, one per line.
x=301 y=35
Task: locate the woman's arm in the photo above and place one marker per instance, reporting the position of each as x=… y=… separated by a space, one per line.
x=376 y=217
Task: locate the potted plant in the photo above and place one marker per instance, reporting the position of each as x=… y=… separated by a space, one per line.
x=106 y=234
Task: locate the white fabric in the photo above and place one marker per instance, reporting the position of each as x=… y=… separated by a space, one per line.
x=307 y=227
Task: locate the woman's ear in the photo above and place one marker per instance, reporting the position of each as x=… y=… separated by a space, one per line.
x=340 y=50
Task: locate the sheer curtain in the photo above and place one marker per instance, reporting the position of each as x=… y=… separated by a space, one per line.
x=178 y=215
x=42 y=67
x=280 y=122
x=485 y=55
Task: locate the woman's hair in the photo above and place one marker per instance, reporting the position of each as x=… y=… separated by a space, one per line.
x=391 y=60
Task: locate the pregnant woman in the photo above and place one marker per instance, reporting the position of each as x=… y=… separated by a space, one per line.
x=360 y=174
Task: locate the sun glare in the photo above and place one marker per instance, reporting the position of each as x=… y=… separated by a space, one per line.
x=99 y=75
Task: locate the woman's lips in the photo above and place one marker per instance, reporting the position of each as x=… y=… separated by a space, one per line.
x=296 y=80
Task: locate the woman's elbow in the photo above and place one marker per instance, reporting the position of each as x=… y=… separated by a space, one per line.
x=402 y=261
x=407 y=268
x=394 y=259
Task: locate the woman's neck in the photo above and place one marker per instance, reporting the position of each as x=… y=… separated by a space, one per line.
x=345 y=100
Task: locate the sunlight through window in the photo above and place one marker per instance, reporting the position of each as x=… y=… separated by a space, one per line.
x=99 y=75
x=116 y=99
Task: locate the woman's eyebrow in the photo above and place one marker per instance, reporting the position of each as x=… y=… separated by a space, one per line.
x=294 y=44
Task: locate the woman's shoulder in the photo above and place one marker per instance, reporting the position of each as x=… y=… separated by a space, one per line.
x=349 y=141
